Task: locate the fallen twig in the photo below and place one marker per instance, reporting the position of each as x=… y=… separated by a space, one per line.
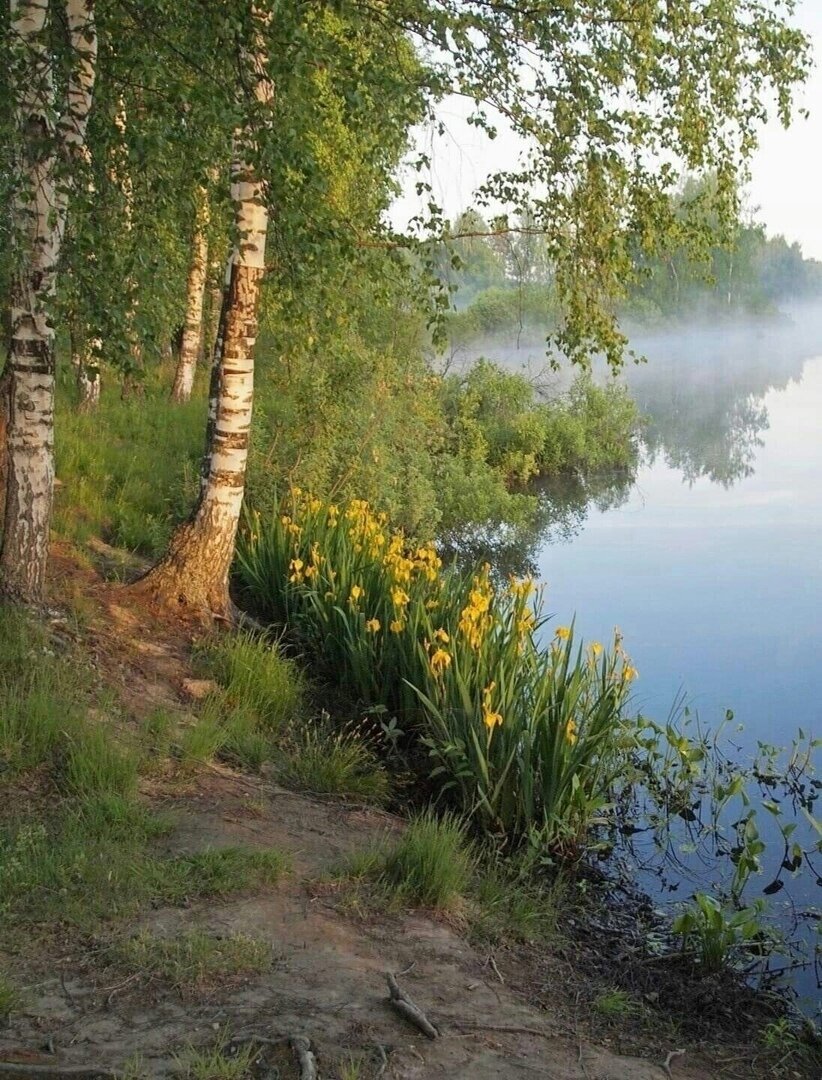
x=406 y=1007
x=493 y=964
x=308 y=1063
x=666 y=1064
x=383 y=1061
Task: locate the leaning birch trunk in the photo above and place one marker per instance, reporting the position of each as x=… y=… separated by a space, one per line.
x=195 y=293
x=39 y=217
x=194 y=572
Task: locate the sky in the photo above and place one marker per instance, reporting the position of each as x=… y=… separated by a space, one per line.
x=785 y=172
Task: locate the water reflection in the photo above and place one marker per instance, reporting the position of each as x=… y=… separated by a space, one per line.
x=563 y=504
x=702 y=395
x=701 y=391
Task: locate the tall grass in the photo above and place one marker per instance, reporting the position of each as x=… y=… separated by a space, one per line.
x=329 y=762
x=528 y=740
x=261 y=692
x=431 y=863
x=255 y=676
x=127 y=470
x=82 y=851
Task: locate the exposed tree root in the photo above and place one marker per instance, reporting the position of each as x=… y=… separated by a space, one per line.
x=403 y=1004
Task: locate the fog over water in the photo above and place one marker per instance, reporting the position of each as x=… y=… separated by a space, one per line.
x=710 y=558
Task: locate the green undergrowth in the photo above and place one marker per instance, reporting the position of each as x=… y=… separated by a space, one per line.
x=219 y=1061
x=324 y=761
x=77 y=845
x=531 y=742
x=128 y=470
x=435 y=865
x=440 y=455
x=258 y=715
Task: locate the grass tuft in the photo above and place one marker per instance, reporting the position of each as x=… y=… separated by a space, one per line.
x=95 y=765
x=255 y=676
x=221 y=872
x=10 y=999
x=215 y=1062
x=508 y=907
x=432 y=862
x=615 y=1004
x=194 y=961
x=336 y=763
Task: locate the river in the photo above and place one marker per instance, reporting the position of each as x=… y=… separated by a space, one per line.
x=709 y=559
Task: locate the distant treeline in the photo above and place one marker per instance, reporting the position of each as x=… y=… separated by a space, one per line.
x=502 y=278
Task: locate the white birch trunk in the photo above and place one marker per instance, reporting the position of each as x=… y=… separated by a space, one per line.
x=121 y=177
x=194 y=572
x=87 y=374
x=39 y=217
x=195 y=294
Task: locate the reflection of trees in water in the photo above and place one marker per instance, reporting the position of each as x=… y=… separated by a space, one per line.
x=719 y=442
x=563 y=504
x=702 y=395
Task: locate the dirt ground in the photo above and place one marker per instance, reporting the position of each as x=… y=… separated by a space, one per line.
x=501 y=1016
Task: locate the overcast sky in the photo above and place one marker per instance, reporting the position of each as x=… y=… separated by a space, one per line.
x=785 y=183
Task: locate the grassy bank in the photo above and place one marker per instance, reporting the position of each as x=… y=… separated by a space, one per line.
x=88 y=786
x=81 y=849
x=128 y=471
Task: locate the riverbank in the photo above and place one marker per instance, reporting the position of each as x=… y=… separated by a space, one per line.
x=163 y=898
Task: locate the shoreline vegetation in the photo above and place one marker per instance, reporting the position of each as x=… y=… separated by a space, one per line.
x=375 y=494
x=444 y=694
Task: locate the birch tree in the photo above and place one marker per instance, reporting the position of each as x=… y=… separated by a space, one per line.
x=48 y=156
x=613 y=102
x=195 y=293
x=194 y=572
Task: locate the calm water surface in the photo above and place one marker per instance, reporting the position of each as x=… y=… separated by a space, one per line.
x=710 y=562
x=716 y=586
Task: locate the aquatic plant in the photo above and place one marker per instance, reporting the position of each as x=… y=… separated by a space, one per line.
x=527 y=740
